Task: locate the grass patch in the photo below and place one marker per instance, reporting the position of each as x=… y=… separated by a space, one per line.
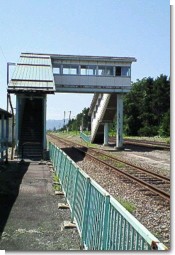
x=55 y=177
x=119 y=165
x=130 y=207
x=93 y=145
x=66 y=134
x=152 y=138
x=168 y=140
x=101 y=157
x=56 y=186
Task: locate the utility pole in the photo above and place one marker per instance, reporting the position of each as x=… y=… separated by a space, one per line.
x=64 y=121
x=13 y=117
x=69 y=120
x=69 y=115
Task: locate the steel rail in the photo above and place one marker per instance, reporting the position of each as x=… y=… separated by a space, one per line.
x=152 y=188
x=161 y=177
x=131 y=177
x=148 y=144
x=147 y=141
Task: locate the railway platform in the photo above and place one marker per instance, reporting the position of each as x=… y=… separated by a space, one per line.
x=29 y=216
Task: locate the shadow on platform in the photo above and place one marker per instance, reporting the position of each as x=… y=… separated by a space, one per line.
x=11 y=176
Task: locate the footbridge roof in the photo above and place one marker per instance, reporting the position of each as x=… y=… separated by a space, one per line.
x=49 y=73
x=32 y=73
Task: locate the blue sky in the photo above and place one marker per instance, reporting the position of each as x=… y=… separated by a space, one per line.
x=121 y=28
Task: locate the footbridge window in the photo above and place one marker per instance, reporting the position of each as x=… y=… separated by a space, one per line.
x=106 y=70
x=57 y=70
x=88 y=70
x=70 y=69
x=94 y=70
x=123 y=71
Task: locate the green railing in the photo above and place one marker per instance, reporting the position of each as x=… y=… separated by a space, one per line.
x=85 y=137
x=102 y=222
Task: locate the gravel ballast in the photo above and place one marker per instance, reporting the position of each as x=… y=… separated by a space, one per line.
x=151 y=212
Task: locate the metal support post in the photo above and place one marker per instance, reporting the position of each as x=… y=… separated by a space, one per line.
x=105 y=223
x=74 y=195
x=2 y=137
x=119 y=128
x=85 y=212
x=44 y=124
x=7 y=137
x=106 y=131
x=17 y=126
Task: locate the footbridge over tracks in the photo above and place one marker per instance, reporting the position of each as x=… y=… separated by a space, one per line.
x=37 y=75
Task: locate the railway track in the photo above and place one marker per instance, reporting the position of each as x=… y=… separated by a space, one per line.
x=153 y=184
x=144 y=143
x=149 y=144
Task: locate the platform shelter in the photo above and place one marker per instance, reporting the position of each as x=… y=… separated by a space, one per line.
x=4 y=134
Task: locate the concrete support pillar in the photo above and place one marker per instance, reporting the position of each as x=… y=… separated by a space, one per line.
x=2 y=140
x=106 y=136
x=17 y=122
x=7 y=136
x=44 y=123
x=119 y=126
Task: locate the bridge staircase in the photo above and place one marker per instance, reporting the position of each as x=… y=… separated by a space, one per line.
x=30 y=142
x=104 y=110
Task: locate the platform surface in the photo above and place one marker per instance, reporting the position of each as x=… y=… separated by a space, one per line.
x=29 y=216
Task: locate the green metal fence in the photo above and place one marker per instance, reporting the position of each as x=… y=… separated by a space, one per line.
x=103 y=223
x=85 y=137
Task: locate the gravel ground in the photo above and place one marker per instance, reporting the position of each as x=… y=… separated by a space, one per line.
x=152 y=213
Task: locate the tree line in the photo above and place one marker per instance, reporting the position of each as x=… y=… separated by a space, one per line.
x=146 y=110
x=147 y=107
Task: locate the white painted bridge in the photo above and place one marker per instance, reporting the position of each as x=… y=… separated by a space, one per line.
x=37 y=75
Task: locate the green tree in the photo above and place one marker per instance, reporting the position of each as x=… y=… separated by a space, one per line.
x=147 y=107
x=132 y=108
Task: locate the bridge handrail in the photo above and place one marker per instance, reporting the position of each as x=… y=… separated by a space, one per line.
x=103 y=223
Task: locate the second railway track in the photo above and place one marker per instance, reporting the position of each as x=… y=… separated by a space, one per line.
x=145 y=143
x=148 y=144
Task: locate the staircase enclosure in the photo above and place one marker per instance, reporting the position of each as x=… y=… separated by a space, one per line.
x=30 y=126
